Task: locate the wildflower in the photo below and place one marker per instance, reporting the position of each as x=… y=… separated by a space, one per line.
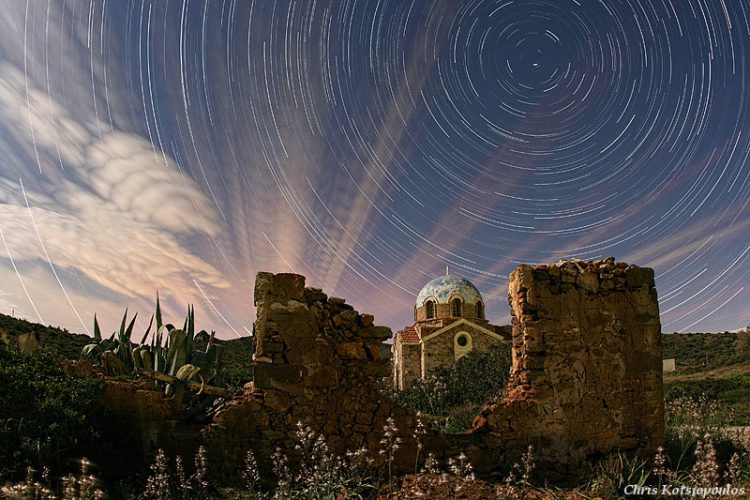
x=660 y=465
x=184 y=483
x=431 y=465
x=705 y=471
x=201 y=470
x=157 y=484
x=250 y=473
x=419 y=432
x=734 y=469
x=527 y=461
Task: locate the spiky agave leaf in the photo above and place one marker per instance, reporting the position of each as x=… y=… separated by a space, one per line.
x=137 y=361
x=145 y=335
x=146 y=360
x=184 y=374
x=91 y=351
x=158 y=312
x=187 y=372
x=177 y=351
x=121 y=333
x=97 y=331
x=112 y=364
x=211 y=363
x=129 y=330
x=190 y=320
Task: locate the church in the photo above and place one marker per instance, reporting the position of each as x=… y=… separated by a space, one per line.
x=449 y=323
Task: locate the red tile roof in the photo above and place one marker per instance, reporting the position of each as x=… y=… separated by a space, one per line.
x=409 y=335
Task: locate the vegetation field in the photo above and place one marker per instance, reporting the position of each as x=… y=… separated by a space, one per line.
x=49 y=421
x=717 y=365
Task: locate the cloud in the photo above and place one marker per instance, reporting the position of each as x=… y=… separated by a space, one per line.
x=106 y=203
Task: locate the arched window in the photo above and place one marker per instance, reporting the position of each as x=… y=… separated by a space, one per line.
x=430 y=305
x=456 y=307
x=480 y=309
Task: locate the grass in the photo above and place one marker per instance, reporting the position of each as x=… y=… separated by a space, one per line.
x=717 y=365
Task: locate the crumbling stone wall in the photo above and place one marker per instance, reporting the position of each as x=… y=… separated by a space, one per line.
x=586 y=378
x=317 y=362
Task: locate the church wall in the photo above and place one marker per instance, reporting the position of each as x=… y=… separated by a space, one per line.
x=484 y=342
x=410 y=360
x=468 y=311
x=439 y=351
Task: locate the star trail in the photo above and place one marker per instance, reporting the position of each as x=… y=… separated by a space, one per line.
x=184 y=145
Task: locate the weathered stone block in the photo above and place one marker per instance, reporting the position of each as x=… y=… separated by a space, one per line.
x=351 y=350
x=596 y=383
x=268 y=376
x=279 y=287
x=588 y=281
x=313 y=295
x=321 y=376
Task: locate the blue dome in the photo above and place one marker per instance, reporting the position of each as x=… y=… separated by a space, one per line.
x=445 y=287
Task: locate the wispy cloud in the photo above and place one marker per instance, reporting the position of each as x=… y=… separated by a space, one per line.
x=99 y=201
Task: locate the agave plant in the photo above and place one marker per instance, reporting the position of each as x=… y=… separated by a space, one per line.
x=115 y=353
x=171 y=355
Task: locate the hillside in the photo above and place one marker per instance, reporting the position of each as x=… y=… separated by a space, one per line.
x=60 y=341
x=237 y=353
x=717 y=365
x=699 y=352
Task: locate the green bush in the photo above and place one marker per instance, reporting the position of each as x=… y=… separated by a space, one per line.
x=46 y=417
x=467 y=384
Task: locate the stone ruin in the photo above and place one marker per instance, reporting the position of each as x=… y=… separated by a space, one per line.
x=586 y=378
x=318 y=363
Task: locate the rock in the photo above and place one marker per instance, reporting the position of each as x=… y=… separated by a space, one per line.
x=313 y=295
x=351 y=350
x=28 y=343
x=588 y=281
x=366 y=320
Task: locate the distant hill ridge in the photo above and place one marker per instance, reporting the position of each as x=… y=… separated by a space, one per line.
x=695 y=352
x=56 y=339
x=237 y=353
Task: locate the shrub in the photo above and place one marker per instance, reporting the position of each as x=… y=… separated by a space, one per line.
x=46 y=417
x=463 y=387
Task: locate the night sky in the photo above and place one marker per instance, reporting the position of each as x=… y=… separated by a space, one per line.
x=184 y=145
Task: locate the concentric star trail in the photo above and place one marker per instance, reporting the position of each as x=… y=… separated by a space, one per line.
x=184 y=145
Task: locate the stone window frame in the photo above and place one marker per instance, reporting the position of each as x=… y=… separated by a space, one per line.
x=430 y=308
x=480 y=309
x=459 y=351
x=452 y=305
